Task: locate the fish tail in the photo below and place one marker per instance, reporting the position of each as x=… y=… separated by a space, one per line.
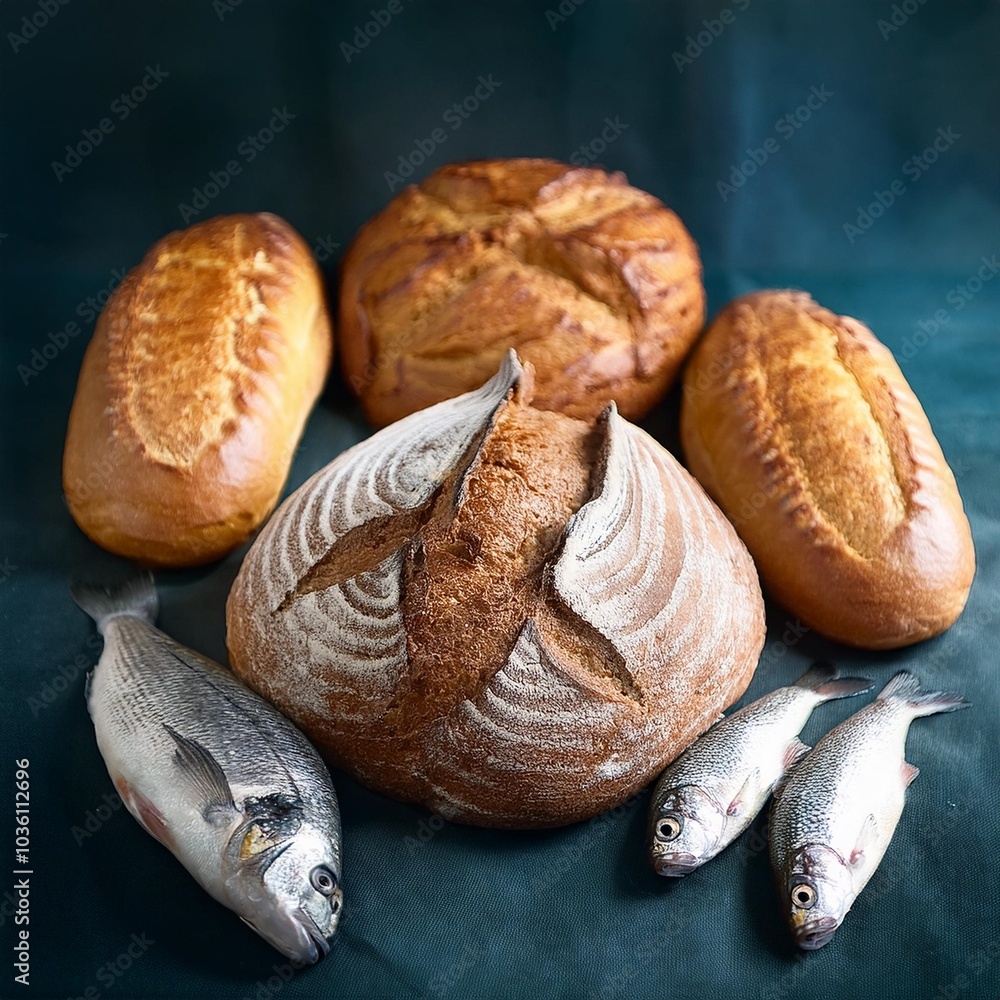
x=828 y=684
x=136 y=597
x=904 y=687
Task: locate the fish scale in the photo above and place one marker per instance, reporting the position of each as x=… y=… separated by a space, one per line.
x=217 y=775
x=713 y=791
x=833 y=777
x=832 y=821
x=160 y=687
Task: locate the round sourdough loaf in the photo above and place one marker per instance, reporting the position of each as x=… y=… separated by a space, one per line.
x=509 y=615
x=595 y=283
x=194 y=391
x=802 y=427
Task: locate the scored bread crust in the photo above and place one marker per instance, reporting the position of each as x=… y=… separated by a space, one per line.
x=802 y=427
x=594 y=282
x=194 y=390
x=513 y=617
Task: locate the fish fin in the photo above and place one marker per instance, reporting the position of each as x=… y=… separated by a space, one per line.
x=828 y=684
x=904 y=687
x=909 y=773
x=793 y=753
x=867 y=837
x=136 y=598
x=205 y=774
x=746 y=797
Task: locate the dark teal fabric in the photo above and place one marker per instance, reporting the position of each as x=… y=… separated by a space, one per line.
x=697 y=113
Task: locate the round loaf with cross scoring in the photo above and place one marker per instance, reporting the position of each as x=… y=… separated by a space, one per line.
x=596 y=283
x=507 y=614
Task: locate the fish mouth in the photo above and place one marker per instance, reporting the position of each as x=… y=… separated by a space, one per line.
x=675 y=865
x=297 y=936
x=317 y=944
x=816 y=933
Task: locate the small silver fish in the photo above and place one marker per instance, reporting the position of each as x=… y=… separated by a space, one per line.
x=833 y=819
x=707 y=797
x=216 y=774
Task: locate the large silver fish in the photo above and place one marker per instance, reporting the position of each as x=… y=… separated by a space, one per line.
x=833 y=819
x=708 y=796
x=216 y=774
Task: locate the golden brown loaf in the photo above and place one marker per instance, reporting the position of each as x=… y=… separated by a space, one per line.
x=509 y=615
x=594 y=282
x=194 y=391
x=801 y=426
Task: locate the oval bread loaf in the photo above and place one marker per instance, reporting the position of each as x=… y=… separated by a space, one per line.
x=511 y=616
x=594 y=282
x=802 y=427
x=194 y=391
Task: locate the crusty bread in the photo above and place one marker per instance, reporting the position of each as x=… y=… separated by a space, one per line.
x=509 y=615
x=594 y=282
x=194 y=391
x=802 y=427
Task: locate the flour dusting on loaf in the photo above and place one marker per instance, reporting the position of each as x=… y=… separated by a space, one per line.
x=498 y=611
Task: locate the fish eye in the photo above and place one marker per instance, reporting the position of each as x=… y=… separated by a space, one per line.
x=323 y=880
x=803 y=895
x=668 y=828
